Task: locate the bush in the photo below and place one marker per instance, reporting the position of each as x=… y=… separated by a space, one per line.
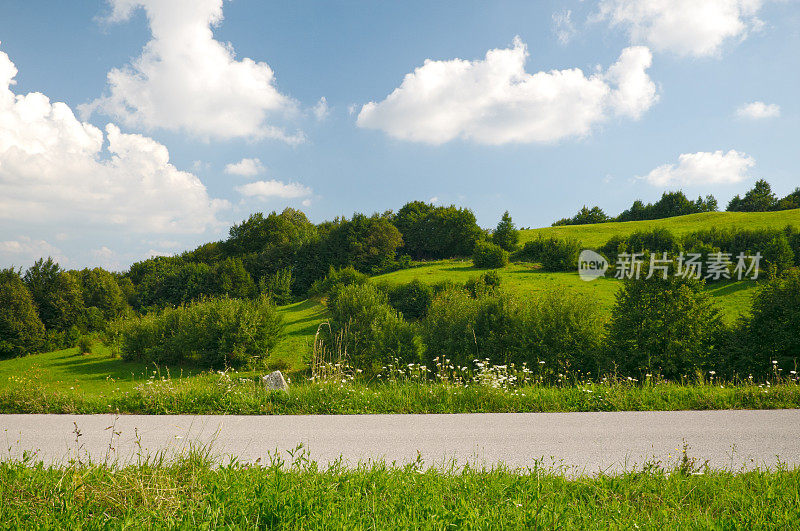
x=560 y=255
x=372 y=332
x=411 y=299
x=84 y=345
x=21 y=330
x=561 y=331
x=278 y=286
x=489 y=255
x=335 y=280
x=771 y=332
x=216 y=333
x=667 y=326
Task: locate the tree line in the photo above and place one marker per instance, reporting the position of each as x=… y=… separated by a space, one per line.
x=758 y=199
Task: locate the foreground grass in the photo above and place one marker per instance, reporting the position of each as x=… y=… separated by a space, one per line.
x=596 y=235
x=242 y=395
x=191 y=493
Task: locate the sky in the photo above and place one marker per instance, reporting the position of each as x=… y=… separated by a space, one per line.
x=136 y=128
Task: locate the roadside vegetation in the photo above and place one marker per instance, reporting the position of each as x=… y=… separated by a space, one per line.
x=360 y=302
x=293 y=492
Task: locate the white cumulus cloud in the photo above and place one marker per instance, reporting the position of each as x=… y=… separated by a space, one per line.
x=685 y=27
x=25 y=250
x=185 y=80
x=495 y=101
x=758 y=110
x=703 y=168
x=245 y=167
x=54 y=169
x=273 y=188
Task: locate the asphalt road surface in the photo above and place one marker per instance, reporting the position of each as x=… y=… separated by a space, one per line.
x=575 y=443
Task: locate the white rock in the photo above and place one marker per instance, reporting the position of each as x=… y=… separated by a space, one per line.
x=275 y=381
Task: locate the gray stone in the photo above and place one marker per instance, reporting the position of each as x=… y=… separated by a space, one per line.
x=275 y=381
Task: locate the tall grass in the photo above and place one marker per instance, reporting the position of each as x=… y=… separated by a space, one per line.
x=297 y=493
x=489 y=392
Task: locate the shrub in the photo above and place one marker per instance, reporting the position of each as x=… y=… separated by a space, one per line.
x=84 y=345
x=771 y=332
x=561 y=331
x=337 y=279
x=373 y=334
x=278 y=286
x=216 y=333
x=487 y=282
x=560 y=255
x=668 y=326
x=489 y=255
x=21 y=330
x=411 y=299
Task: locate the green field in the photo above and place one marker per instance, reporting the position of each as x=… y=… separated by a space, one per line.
x=733 y=298
x=595 y=236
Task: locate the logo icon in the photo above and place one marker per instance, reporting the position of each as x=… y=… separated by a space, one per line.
x=591 y=265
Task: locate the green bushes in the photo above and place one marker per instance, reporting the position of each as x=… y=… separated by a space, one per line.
x=666 y=326
x=488 y=255
x=369 y=330
x=412 y=299
x=563 y=332
x=216 y=333
x=768 y=343
x=560 y=255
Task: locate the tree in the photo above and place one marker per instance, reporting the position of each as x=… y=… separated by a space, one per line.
x=101 y=290
x=758 y=199
x=669 y=326
x=57 y=295
x=506 y=234
x=790 y=202
x=771 y=333
x=431 y=232
x=488 y=255
x=21 y=330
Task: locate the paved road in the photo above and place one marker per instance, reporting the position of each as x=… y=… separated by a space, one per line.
x=577 y=442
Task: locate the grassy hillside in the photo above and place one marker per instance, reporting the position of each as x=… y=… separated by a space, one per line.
x=523 y=278
x=99 y=374
x=598 y=234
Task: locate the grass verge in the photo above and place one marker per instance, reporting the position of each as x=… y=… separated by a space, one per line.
x=193 y=493
x=232 y=394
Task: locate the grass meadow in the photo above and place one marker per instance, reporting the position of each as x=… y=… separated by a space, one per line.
x=593 y=236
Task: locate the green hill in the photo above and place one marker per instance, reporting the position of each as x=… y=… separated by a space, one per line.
x=596 y=235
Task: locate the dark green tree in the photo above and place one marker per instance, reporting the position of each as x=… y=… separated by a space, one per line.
x=21 y=330
x=57 y=295
x=758 y=199
x=506 y=234
x=663 y=326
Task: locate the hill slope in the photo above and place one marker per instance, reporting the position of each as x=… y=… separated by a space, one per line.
x=598 y=234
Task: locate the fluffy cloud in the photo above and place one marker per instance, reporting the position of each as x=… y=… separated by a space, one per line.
x=24 y=250
x=495 y=101
x=685 y=27
x=272 y=188
x=245 y=168
x=53 y=169
x=758 y=110
x=184 y=80
x=703 y=168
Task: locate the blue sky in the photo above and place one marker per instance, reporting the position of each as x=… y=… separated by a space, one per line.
x=577 y=102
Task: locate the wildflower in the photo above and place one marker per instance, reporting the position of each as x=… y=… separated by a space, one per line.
x=712 y=373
